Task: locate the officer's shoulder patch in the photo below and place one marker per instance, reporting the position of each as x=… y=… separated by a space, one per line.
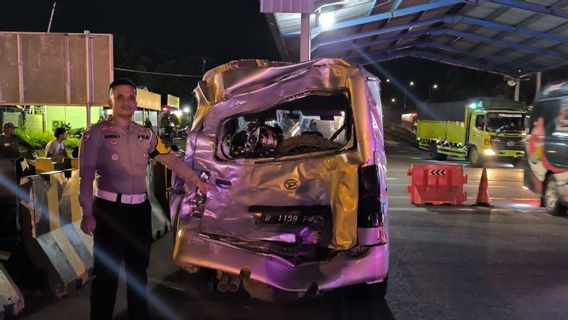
x=161 y=148
x=89 y=131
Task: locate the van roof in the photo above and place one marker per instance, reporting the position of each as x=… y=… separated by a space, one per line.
x=553 y=90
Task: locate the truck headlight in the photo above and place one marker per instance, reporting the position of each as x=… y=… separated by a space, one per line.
x=489 y=152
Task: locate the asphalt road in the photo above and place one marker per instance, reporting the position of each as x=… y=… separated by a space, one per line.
x=466 y=262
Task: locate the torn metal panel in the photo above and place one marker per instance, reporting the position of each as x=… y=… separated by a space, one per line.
x=238 y=91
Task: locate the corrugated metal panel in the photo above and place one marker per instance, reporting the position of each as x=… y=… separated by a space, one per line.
x=55 y=68
x=495 y=31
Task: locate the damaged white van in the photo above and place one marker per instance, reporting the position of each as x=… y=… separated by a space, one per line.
x=294 y=155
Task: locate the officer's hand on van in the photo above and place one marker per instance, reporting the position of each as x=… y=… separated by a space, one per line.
x=88 y=224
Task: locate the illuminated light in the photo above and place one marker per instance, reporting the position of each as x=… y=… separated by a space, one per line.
x=177 y=113
x=388 y=80
x=473 y=106
x=411 y=83
x=342 y=113
x=326 y=19
x=489 y=152
x=186 y=110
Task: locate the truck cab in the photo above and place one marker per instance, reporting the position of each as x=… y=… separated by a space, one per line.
x=495 y=133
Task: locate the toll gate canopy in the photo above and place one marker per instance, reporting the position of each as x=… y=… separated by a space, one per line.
x=507 y=37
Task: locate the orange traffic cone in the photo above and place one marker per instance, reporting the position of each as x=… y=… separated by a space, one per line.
x=483 y=193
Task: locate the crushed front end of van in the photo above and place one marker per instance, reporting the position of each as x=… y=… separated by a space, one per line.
x=294 y=155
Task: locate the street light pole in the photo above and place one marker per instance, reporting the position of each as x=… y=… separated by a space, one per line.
x=434 y=87
x=412 y=85
x=305 y=38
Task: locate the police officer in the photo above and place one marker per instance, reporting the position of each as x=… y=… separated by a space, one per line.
x=119 y=215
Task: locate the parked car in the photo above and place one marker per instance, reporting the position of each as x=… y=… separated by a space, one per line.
x=295 y=157
x=547 y=148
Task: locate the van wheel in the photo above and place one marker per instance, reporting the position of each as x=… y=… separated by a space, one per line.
x=434 y=152
x=474 y=157
x=551 y=197
x=379 y=290
x=375 y=291
x=199 y=284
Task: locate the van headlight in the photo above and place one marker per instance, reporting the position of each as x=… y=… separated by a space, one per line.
x=489 y=152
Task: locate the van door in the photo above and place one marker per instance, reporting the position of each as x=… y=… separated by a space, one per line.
x=555 y=114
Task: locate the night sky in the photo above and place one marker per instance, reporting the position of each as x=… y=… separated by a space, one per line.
x=190 y=36
x=164 y=36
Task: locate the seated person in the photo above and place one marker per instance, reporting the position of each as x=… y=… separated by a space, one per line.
x=55 y=149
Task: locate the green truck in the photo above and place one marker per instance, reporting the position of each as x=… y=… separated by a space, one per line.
x=478 y=129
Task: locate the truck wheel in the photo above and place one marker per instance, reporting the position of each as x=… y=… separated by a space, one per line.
x=474 y=158
x=434 y=152
x=551 y=197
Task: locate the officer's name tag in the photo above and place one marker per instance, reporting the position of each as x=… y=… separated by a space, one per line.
x=112 y=136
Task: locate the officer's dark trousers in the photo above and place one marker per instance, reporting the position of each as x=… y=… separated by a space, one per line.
x=123 y=234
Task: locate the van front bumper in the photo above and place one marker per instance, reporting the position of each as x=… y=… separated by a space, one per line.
x=341 y=270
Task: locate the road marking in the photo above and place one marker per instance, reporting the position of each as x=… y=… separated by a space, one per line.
x=466 y=185
x=490 y=198
x=464 y=209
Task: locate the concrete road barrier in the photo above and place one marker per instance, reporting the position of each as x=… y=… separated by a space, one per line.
x=160 y=219
x=51 y=230
x=11 y=299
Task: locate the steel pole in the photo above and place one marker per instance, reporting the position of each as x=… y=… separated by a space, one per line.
x=305 y=38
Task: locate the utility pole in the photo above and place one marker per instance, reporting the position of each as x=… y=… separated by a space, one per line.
x=51 y=16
